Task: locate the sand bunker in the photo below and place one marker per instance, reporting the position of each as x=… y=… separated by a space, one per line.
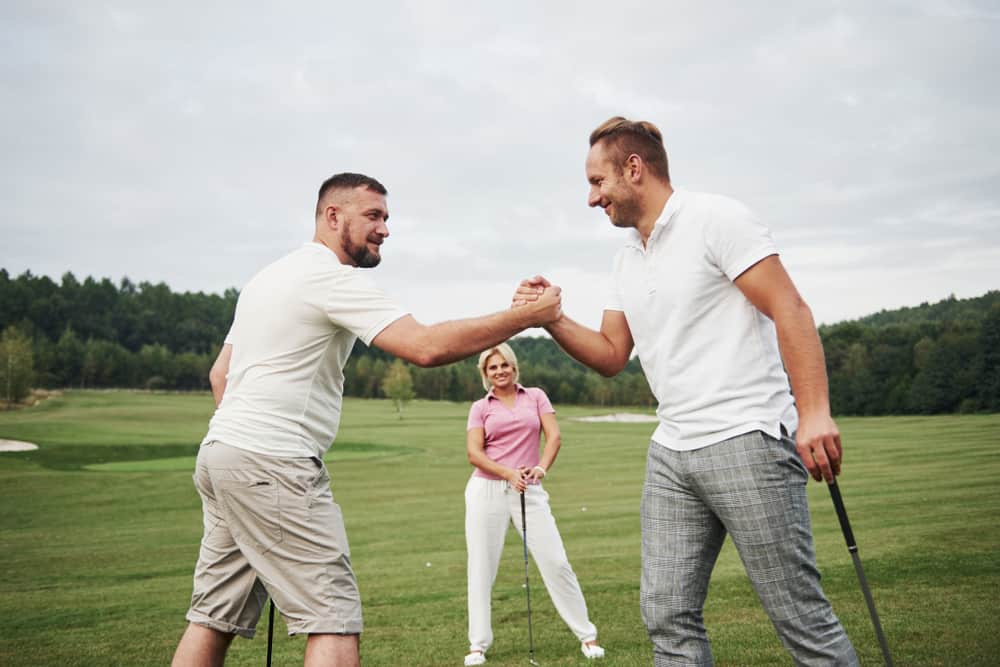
x=618 y=417
x=16 y=446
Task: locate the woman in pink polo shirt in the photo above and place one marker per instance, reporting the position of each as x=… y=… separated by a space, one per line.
x=502 y=443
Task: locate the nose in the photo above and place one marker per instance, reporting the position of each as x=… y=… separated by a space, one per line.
x=382 y=229
x=594 y=199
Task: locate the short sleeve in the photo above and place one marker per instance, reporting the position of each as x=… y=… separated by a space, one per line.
x=356 y=304
x=544 y=405
x=736 y=239
x=612 y=294
x=477 y=415
x=229 y=336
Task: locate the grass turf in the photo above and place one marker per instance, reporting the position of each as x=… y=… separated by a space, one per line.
x=100 y=527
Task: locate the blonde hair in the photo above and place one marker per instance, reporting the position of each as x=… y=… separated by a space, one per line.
x=623 y=137
x=503 y=349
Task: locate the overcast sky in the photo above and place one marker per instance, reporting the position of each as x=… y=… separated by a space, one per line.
x=184 y=141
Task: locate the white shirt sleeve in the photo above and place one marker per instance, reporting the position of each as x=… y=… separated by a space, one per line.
x=356 y=304
x=737 y=240
x=612 y=295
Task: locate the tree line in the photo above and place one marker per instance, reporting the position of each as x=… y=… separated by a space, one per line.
x=932 y=358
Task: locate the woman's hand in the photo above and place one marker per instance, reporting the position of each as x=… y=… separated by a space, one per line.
x=534 y=475
x=515 y=477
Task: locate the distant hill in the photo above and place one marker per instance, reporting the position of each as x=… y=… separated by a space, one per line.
x=931 y=358
x=927 y=359
x=946 y=310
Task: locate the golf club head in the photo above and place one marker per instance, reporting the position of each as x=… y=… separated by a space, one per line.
x=532 y=661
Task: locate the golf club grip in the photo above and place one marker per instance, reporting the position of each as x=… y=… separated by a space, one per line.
x=845 y=525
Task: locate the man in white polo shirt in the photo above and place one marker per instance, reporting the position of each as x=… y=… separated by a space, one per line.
x=271 y=524
x=699 y=292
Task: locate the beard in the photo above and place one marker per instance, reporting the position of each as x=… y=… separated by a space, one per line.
x=627 y=211
x=362 y=256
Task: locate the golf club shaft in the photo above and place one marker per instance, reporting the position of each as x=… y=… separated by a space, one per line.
x=852 y=547
x=527 y=585
x=270 y=632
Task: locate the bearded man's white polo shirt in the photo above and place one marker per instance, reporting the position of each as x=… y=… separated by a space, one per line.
x=710 y=357
x=294 y=328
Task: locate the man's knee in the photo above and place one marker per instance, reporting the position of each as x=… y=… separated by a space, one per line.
x=201 y=646
x=677 y=632
x=332 y=650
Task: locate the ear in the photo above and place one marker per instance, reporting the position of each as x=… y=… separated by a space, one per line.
x=633 y=168
x=330 y=216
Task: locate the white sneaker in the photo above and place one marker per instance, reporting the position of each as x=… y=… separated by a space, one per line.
x=592 y=651
x=478 y=658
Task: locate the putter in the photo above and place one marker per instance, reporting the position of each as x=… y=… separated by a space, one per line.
x=852 y=547
x=527 y=586
x=270 y=632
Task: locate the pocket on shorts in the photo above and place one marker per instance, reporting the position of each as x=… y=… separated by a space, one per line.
x=253 y=510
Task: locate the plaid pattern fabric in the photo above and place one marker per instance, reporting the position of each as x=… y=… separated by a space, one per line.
x=752 y=487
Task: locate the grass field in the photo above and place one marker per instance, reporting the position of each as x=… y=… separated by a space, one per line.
x=99 y=532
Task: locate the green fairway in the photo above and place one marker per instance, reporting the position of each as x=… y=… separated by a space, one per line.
x=99 y=532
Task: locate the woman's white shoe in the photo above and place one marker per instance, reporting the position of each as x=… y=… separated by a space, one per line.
x=478 y=658
x=592 y=651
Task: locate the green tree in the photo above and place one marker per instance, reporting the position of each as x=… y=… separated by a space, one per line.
x=397 y=385
x=16 y=365
x=989 y=370
x=156 y=367
x=68 y=359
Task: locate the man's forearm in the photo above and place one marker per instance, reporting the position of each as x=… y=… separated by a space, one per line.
x=802 y=352
x=591 y=348
x=218 y=389
x=451 y=341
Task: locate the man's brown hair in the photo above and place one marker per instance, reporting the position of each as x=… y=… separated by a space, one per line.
x=623 y=137
x=347 y=181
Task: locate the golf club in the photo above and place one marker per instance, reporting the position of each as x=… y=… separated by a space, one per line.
x=852 y=547
x=527 y=586
x=270 y=632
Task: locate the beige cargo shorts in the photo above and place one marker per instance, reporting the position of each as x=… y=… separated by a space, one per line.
x=271 y=528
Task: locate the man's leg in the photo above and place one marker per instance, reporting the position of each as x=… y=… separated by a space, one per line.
x=681 y=540
x=201 y=647
x=328 y=650
x=759 y=492
x=227 y=598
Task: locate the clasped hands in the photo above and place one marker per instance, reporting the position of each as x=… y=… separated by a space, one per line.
x=540 y=294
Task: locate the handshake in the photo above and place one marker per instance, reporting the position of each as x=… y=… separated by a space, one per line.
x=541 y=300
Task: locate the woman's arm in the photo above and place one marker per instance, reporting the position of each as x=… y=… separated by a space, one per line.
x=553 y=440
x=475 y=447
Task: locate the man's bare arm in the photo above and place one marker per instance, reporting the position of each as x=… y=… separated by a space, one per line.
x=606 y=351
x=769 y=288
x=220 y=369
x=443 y=343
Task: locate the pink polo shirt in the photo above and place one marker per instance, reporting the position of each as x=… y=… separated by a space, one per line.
x=511 y=433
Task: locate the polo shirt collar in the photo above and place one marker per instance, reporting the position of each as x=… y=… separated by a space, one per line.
x=518 y=388
x=674 y=203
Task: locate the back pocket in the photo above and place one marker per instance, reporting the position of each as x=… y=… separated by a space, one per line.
x=253 y=511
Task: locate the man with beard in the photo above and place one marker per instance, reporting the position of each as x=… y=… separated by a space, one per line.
x=699 y=292
x=271 y=524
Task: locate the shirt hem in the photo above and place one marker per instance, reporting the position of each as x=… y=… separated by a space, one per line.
x=690 y=444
